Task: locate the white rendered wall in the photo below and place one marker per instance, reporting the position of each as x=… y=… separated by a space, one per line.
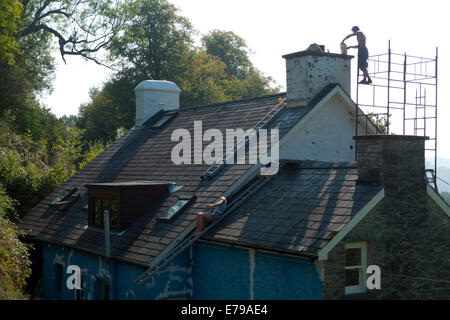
x=154 y=95
x=326 y=136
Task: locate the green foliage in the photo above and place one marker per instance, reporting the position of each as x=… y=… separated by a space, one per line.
x=92 y=151
x=231 y=49
x=10 y=11
x=109 y=109
x=201 y=78
x=30 y=170
x=14 y=257
x=152 y=40
x=23 y=169
x=14 y=261
x=380 y=122
x=6 y=204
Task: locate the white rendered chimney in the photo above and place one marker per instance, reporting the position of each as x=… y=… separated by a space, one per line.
x=309 y=71
x=154 y=95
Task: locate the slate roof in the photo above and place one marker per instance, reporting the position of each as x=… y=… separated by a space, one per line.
x=299 y=210
x=144 y=154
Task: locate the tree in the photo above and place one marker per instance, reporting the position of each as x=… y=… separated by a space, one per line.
x=81 y=27
x=152 y=39
x=14 y=256
x=231 y=49
x=156 y=43
x=110 y=108
x=10 y=11
x=380 y=122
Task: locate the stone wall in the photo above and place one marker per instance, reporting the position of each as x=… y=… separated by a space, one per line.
x=413 y=256
x=407 y=233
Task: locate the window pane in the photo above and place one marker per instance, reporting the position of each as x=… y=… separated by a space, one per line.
x=177 y=206
x=113 y=216
x=173 y=209
x=353 y=257
x=352 y=277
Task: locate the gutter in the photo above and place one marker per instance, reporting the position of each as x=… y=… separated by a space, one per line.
x=271 y=250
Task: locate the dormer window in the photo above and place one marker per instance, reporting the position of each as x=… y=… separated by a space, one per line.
x=125 y=202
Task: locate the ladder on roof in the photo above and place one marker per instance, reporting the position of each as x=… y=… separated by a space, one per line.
x=186 y=239
x=264 y=122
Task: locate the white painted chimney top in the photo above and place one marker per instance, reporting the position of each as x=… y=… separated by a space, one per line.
x=154 y=95
x=157 y=85
x=309 y=71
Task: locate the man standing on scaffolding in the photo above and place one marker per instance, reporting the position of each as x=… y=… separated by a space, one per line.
x=363 y=53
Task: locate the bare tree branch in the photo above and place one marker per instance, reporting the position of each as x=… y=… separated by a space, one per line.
x=77 y=43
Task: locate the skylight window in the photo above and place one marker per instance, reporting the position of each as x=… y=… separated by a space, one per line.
x=161 y=122
x=176 y=208
x=65 y=198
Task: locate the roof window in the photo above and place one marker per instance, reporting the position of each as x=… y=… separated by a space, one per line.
x=177 y=207
x=65 y=198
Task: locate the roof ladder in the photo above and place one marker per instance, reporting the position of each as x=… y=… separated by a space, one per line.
x=268 y=118
x=186 y=239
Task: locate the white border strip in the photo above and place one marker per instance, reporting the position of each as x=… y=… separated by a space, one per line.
x=439 y=201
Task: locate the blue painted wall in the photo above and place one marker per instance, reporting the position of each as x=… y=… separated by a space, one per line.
x=223 y=272
x=174 y=281
x=218 y=272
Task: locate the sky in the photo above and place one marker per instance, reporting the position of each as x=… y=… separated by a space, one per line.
x=274 y=28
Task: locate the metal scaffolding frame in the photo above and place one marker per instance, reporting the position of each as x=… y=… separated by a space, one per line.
x=402 y=98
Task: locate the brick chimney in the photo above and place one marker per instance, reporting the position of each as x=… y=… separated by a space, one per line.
x=309 y=71
x=395 y=161
x=154 y=95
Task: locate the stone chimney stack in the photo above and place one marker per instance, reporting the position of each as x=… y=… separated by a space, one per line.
x=395 y=161
x=154 y=95
x=309 y=71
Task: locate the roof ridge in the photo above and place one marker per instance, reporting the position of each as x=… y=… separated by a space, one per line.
x=232 y=102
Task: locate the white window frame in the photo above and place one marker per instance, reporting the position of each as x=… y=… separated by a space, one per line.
x=362 y=287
